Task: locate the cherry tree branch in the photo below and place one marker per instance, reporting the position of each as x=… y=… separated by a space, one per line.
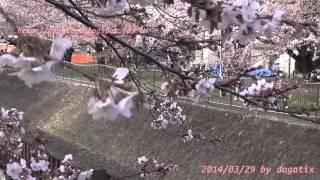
x=160 y=65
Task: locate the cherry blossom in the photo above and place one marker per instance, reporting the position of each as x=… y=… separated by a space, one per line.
x=109 y=106
x=36 y=75
x=23 y=163
x=139 y=42
x=7 y=60
x=242 y=17
x=126 y=104
x=106 y=109
x=169 y=113
x=261 y=88
x=10 y=121
x=165 y=87
x=270 y=26
x=66 y=171
x=14 y=170
x=59 y=47
x=228 y=17
x=62 y=168
x=67 y=158
x=249 y=11
x=155 y=166
x=188 y=137
x=239 y=23
x=85 y=175
x=204 y=89
x=32 y=70
x=142 y=160
x=2 y=135
x=40 y=165
x=119 y=75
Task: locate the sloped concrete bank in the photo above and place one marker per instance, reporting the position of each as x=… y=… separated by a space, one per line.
x=60 y=111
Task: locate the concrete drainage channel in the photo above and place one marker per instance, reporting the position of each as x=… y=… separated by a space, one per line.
x=59 y=110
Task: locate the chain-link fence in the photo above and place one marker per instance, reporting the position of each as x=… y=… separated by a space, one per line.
x=306 y=95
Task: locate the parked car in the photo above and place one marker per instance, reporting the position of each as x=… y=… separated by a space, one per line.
x=264 y=72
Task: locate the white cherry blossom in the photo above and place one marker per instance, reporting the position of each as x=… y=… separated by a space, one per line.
x=249 y=11
x=7 y=60
x=139 y=42
x=14 y=170
x=2 y=134
x=34 y=165
x=32 y=71
x=120 y=74
x=62 y=168
x=165 y=88
x=204 y=89
x=23 y=163
x=85 y=175
x=126 y=104
x=103 y=109
x=228 y=17
x=37 y=74
x=67 y=158
x=269 y=27
x=59 y=47
x=188 y=137
x=142 y=160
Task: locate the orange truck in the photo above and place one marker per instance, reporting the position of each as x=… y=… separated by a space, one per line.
x=83 y=58
x=76 y=58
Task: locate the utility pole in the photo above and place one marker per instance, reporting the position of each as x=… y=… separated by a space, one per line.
x=289 y=72
x=220 y=61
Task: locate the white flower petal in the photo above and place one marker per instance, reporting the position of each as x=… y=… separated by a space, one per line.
x=14 y=170
x=7 y=60
x=36 y=75
x=126 y=104
x=120 y=74
x=59 y=47
x=278 y=13
x=103 y=110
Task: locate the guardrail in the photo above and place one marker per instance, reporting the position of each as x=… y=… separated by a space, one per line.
x=308 y=94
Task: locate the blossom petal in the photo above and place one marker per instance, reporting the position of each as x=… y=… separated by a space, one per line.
x=7 y=60
x=36 y=75
x=59 y=47
x=120 y=74
x=126 y=104
x=103 y=110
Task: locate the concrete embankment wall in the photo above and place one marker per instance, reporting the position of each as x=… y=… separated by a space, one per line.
x=60 y=111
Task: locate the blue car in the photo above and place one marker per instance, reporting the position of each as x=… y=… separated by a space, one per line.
x=262 y=73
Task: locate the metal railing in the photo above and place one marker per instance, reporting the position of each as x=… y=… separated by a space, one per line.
x=306 y=95
x=8 y=156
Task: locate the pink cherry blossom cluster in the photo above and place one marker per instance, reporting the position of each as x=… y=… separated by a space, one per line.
x=263 y=92
x=32 y=70
x=67 y=171
x=11 y=133
x=11 y=130
x=113 y=100
x=152 y=167
x=169 y=114
x=204 y=89
x=241 y=17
